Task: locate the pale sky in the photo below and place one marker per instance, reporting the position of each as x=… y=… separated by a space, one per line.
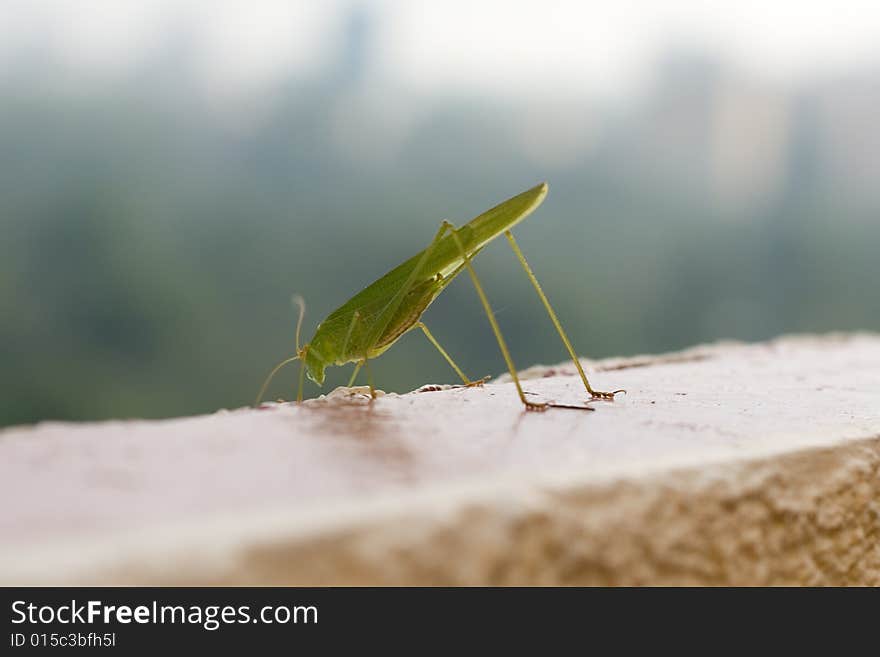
x=496 y=46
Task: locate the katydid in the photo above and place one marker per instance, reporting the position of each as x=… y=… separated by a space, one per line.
x=374 y=319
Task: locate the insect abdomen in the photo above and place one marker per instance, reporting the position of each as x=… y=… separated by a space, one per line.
x=408 y=315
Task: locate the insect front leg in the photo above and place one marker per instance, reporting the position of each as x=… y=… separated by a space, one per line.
x=354 y=374
x=366 y=363
x=355 y=320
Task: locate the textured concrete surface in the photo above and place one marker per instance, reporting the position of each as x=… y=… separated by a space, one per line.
x=725 y=464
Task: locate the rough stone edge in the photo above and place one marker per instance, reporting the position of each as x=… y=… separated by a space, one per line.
x=705 y=351
x=810 y=517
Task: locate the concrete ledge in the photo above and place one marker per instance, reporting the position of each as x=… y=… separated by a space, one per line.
x=725 y=464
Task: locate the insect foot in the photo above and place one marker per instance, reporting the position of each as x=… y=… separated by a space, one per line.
x=606 y=396
x=478 y=383
x=536 y=407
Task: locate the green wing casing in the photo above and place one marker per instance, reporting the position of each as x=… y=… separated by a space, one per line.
x=342 y=338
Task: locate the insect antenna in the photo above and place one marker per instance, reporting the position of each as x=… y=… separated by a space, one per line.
x=301 y=303
x=272 y=376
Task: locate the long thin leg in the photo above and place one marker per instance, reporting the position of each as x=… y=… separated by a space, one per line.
x=532 y=406
x=369 y=377
x=595 y=394
x=302 y=374
x=355 y=318
x=357 y=368
x=449 y=360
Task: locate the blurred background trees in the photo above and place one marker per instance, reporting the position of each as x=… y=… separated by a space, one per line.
x=156 y=218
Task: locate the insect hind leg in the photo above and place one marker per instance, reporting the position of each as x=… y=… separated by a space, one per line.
x=594 y=394
x=530 y=406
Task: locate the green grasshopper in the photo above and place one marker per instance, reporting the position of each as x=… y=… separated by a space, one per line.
x=374 y=319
